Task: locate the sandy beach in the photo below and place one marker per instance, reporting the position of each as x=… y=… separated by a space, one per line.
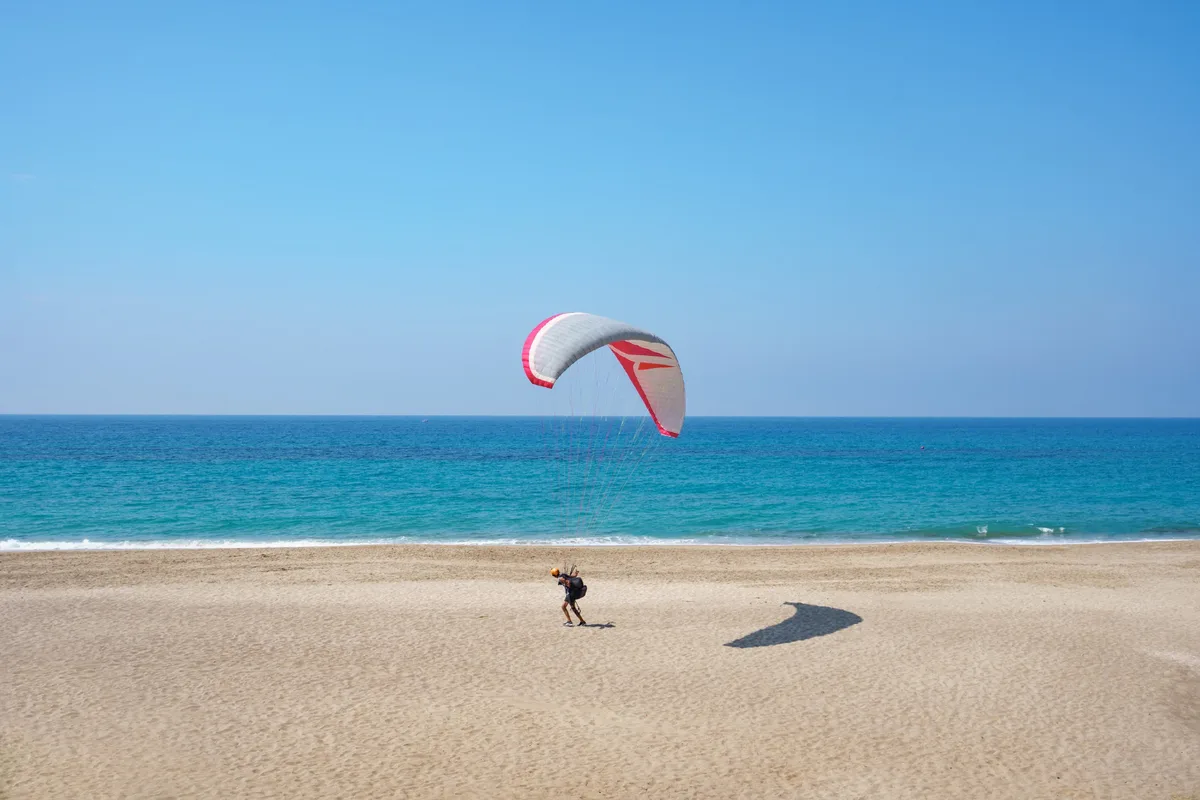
x=890 y=671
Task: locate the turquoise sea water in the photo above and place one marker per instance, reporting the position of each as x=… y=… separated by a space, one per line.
x=197 y=481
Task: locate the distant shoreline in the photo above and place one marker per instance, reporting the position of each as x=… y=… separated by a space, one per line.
x=763 y=417
x=12 y=547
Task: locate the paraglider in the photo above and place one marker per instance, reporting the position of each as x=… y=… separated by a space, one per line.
x=598 y=435
x=561 y=340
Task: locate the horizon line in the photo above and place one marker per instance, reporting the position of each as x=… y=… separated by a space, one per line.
x=540 y=416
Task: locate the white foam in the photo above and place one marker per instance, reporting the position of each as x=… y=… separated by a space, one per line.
x=14 y=545
x=179 y=544
x=1047 y=542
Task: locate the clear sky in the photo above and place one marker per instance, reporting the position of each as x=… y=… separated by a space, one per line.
x=833 y=208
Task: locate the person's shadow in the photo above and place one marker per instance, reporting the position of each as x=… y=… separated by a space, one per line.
x=807 y=623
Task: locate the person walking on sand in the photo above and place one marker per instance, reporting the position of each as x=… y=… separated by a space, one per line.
x=574 y=587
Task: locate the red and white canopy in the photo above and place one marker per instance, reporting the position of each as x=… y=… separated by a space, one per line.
x=558 y=342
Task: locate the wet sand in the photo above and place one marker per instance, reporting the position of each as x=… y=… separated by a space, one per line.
x=888 y=671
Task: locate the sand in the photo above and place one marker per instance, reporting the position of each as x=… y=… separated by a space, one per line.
x=889 y=671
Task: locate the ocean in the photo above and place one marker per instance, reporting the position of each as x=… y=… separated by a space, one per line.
x=131 y=482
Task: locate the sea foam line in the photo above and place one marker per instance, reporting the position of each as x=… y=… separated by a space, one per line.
x=15 y=545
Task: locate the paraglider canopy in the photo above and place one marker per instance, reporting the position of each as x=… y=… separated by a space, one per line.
x=561 y=340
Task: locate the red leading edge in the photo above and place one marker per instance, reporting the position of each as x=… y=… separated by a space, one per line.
x=525 y=352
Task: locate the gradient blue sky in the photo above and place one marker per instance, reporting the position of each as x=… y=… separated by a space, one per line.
x=841 y=208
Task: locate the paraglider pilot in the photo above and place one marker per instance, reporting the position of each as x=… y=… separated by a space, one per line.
x=575 y=589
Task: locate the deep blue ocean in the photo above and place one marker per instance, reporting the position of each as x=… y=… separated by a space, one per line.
x=200 y=481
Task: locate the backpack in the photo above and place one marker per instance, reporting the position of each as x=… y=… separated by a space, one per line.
x=578 y=587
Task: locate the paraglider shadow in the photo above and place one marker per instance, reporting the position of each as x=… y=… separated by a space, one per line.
x=808 y=622
x=597 y=625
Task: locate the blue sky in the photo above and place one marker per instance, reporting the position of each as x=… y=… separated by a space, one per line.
x=832 y=209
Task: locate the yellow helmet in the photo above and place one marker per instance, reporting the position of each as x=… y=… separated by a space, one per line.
x=554 y=572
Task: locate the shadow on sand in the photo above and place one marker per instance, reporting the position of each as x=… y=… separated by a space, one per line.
x=597 y=625
x=807 y=623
